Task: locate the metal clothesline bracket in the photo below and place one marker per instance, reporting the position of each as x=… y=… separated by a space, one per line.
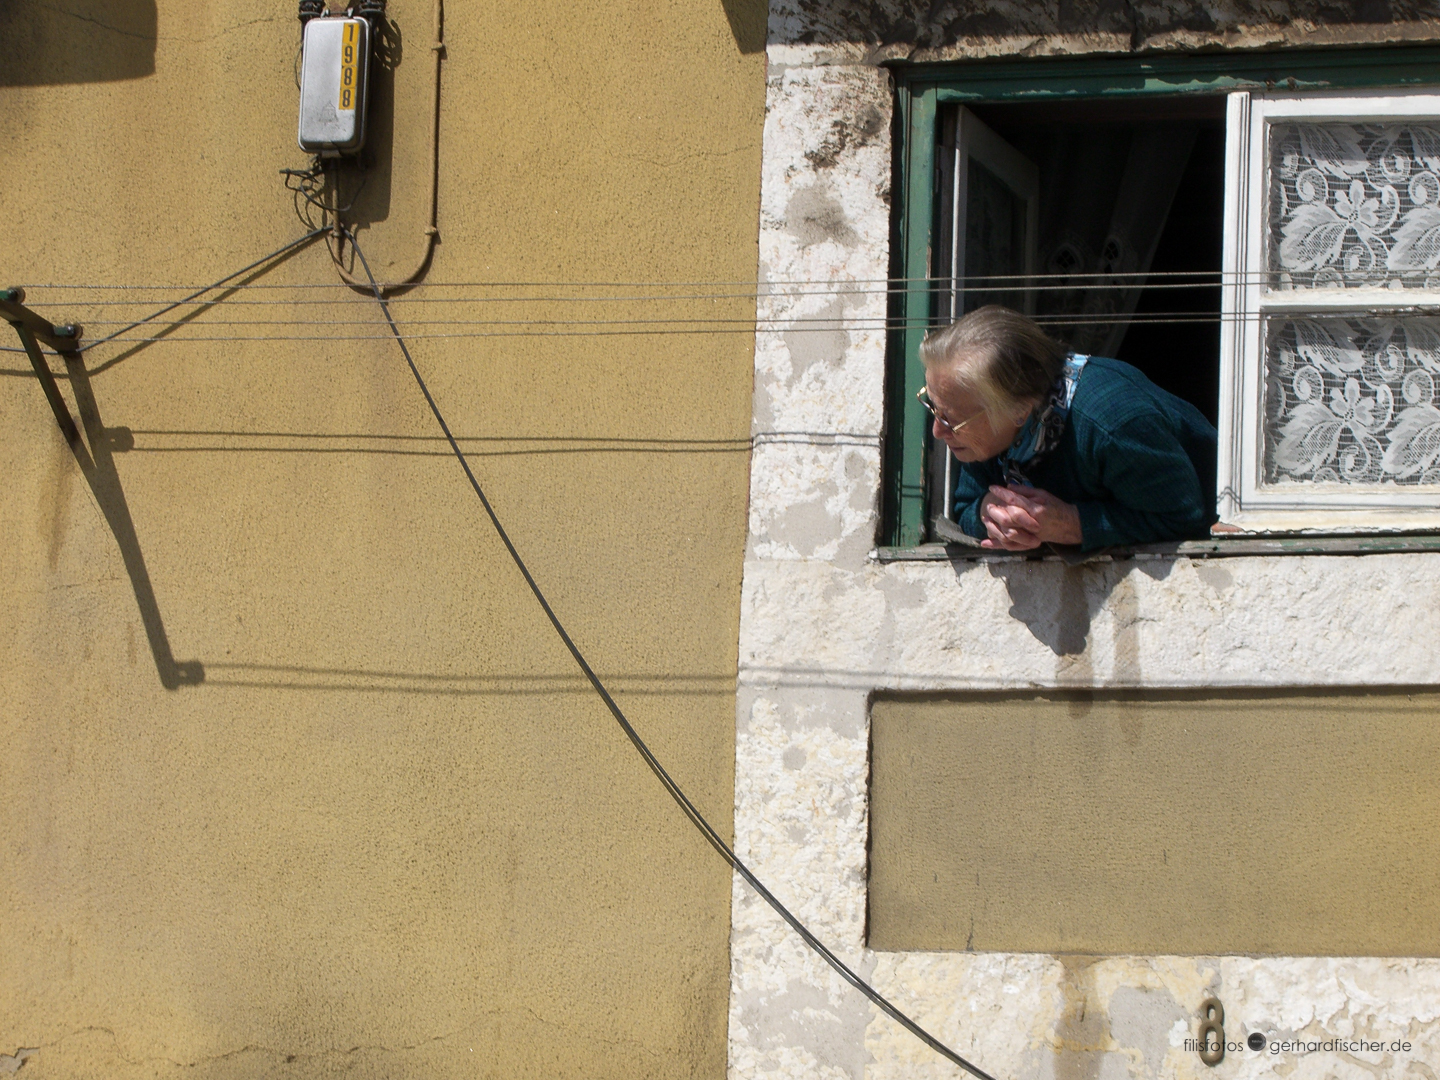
x=35 y=331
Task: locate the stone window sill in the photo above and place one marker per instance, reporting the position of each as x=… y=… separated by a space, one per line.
x=1214 y=548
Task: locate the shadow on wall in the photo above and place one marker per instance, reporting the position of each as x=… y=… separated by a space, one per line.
x=935 y=24
x=254 y=676
x=76 y=41
x=1057 y=602
x=365 y=185
x=98 y=467
x=748 y=19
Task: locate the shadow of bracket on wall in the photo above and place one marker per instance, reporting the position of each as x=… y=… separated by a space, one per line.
x=97 y=463
x=34 y=330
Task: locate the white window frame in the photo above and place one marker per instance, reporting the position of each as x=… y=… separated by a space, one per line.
x=975 y=140
x=1246 y=504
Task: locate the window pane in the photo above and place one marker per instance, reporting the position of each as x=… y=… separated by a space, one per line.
x=1352 y=400
x=1355 y=205
x=994 y=240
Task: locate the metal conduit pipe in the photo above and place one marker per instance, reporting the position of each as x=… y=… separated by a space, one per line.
x=339 y=232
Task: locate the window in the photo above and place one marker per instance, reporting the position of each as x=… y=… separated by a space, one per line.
x=1332 y=312
x=1111 y=198
x=1100 y=219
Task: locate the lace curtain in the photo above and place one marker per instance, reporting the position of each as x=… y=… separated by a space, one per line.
x=1351 y=400
x=1354 y=206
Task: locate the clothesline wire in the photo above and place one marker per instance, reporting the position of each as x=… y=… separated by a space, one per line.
x=602 y=329
x=664 y=326
x=1006 y=281
x=782 y=323
x=879 y=327
x=545 y=299
x=745 y=328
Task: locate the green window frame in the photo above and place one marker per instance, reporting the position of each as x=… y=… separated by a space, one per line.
x=922 y=89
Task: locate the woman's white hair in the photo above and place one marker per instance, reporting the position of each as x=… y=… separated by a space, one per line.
x=999 y=355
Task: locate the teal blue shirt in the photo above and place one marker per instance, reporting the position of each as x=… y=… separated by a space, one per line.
x=1138 y=462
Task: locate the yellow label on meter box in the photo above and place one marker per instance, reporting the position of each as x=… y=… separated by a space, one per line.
x=349 y=65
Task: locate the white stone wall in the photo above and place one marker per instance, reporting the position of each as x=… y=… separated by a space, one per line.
x=823 y=626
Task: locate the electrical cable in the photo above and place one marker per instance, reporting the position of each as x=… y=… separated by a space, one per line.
x=201 y=292
x=303 y=182
x=194 y=295
x=681 y=799
x=432 y=232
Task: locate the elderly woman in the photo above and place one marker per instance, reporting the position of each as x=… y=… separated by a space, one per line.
x=1059 y=448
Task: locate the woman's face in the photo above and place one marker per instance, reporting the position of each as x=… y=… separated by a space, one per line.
x=973 y=436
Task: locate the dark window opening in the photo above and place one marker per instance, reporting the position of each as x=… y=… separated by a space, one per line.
x=1125 y=260
x=1184 y=357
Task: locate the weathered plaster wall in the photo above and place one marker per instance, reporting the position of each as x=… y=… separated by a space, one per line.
x=923 y=30
x=822 y=627
x=385 y=830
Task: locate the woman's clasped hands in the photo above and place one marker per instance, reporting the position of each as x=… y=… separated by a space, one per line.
x=1019 y=518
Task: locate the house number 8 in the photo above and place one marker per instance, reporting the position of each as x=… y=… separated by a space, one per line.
x=1212 y=1031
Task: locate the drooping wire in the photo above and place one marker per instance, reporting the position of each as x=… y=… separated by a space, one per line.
x=692 y=812
x=195 y=295
x=387 y=51
x=201 y=292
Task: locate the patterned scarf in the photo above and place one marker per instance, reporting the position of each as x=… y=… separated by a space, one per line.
x=1043 y=428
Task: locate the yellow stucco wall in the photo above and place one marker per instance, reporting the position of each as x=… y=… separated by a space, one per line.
x=389 y=833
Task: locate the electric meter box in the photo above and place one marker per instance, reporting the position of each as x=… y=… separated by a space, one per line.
x=334 y=78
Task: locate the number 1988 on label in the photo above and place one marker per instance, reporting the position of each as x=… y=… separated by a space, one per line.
x=349 y=63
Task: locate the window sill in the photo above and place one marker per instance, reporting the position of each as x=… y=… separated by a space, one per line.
x=1214 y=548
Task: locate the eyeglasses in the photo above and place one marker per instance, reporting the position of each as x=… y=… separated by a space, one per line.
x=923 y=396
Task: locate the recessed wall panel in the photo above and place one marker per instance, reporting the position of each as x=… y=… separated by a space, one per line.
x=1264 y=823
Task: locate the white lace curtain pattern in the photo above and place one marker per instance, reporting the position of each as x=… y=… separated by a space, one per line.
x=1355 y=205
x=1351 y=400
